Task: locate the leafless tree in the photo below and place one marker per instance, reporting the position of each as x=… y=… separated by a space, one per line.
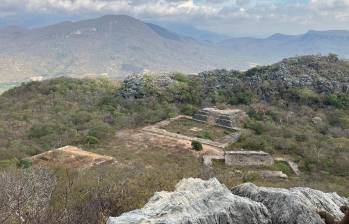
x=25 y=195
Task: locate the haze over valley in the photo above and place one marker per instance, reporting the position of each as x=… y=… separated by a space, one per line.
x=118 y=45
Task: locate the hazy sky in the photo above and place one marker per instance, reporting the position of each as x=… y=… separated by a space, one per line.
x=234 y=17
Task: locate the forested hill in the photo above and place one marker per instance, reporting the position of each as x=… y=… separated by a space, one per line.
x=297 y=109
x=38 y=116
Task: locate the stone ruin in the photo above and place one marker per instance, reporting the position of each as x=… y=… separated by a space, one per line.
x=229 y=118
x=242 y=159
x=248 y=158
x=72 y=157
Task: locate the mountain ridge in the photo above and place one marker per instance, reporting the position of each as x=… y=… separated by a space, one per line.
x=118 y=45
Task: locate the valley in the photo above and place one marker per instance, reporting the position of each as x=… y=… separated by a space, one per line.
x=119 y=45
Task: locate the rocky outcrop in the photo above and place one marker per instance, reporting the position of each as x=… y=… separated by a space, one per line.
x=196 y=201
x=323 y=74
x=297 y=205
x=140 y=85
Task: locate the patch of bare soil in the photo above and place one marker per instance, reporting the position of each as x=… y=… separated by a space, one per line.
x=144 y=140
x=72 y=157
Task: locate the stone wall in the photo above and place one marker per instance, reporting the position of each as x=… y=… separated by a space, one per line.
x=248 y=158
x=229 y=118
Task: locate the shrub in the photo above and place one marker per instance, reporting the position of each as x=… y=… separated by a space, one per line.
x=188 y=109
x=240 y=97
x=180 y=77
x=197 y=146
x=284 y=167
x=92 y=140
x=100 y=130
x=306 y=96
x=24 y=164
x=337 y=100
x=257 y=126
x=40 y=130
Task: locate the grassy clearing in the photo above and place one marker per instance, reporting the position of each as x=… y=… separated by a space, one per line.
x=193 y=128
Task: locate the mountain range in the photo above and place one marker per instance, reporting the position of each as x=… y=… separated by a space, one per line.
x=117 y=45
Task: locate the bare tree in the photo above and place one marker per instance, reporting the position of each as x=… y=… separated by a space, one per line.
x=25 y=195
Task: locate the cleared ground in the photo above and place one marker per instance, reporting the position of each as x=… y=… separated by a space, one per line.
x=72 y=157
x=197 y=129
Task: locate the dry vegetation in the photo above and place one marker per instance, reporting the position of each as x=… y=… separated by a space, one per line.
x=194 y=128
x=306 y=125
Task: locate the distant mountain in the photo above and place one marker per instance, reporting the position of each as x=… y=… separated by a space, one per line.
x=193 y=32
x=277 y=46
x=116 y=45
x=120 y=45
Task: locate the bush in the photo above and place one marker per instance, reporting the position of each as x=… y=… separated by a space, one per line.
x=197 y=146
x=40 y=130
x=337 y=100
x=257 y=126
x=24 y=164
x=100 y=130
x=306 y=96
x=240 y=97
x=188 y=109
x=91 y=140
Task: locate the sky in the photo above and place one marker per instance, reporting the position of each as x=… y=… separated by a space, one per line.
x=232 y=17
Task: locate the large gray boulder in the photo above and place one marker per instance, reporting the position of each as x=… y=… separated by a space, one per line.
x=196 y=201
x=296 y=206
x=141 y=85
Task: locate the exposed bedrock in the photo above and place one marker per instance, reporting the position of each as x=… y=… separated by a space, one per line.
x=296 y=205
x=196 y=201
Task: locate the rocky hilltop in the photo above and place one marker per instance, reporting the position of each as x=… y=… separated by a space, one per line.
x=321 y=74
x=196 y=201
x=324 y=74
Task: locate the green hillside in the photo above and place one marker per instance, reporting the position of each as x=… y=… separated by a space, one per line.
x=298 y=108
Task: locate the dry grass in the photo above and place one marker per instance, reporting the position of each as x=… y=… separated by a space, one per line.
x=193 y=128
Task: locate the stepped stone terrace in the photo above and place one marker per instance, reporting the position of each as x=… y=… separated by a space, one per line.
x=229 y=118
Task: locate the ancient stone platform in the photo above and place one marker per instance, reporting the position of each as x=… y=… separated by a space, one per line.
x=73 y=157
x=248 y=158
x=229 y=118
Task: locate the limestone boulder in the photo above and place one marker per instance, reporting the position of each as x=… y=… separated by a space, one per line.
x=196 y=201
x=296 y=205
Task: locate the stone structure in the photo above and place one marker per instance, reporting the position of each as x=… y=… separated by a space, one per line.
x=269 y=174
x=248 y=158
x=294 y=166
x=208 y=160
x=229 y=118
x=73 y=157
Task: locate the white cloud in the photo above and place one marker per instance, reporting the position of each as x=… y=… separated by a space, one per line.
x=156 y=7
x=229 y=16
